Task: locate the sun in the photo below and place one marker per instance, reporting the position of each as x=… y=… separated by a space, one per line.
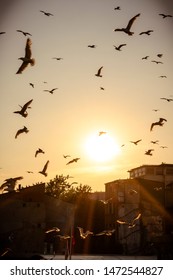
x=101 y=148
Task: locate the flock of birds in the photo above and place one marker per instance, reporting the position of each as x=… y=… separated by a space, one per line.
x=27 y=59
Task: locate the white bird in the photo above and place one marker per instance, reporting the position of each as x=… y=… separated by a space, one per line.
x=107 y=232
x=130 y=224
x=27 y=59
x=43 y=172
x=83 y=234
x=54 y=230
x=106 y=201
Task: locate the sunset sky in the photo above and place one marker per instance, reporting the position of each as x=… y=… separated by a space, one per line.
x=68 y=121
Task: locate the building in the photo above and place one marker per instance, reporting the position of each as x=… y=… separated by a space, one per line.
x=147 y=196
x=26 y=214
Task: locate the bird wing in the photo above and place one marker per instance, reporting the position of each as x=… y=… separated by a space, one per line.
x=24 y=108
x=22 y=67
x=136 y=218
x=131 y=21
x=28 y=48
x=99 y=71
x=45 y=167
x=152 y=125
x=121 y=222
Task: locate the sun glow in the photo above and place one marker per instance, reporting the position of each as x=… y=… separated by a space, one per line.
x=101 y=148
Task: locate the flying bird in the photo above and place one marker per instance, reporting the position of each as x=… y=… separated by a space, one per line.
x=117 y=8
x=102 y=88
x=32 y=85
x=128 y=27
x=160 y=123
x=98 y=74
x=39 y=151
x=136 y=142
x=132 y=192
x=83 y=234
x=27 y=59
x=23 y=112
x=43 y=172
x=46 y=13
x=167 y=99
x=148 y=32
x=107 y=232
x=24 y=33
x=57 y=58
x=165 y=16
x=102 y=133
x=145 y=57
x=92 y=46
x=163 y=147
x=22 y=130
x=2 y=32
x=149 y=152
x=130 y=224
x=54 y=230
x=155 y=110
x=157 y=62
x=162 y=76
x=159 y=55
x=73 y=160
x=51 y=91
x=105 y=201
x=155 y=142
x=64 y=236
x=119 y=47
x=66 y=156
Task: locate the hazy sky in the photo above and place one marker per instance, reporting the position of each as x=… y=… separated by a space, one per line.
x=68 y=121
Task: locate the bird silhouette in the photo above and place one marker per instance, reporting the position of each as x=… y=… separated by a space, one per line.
x=23 y=112
x=130 y=224
x=155 y=142
x=98 y=74
x=24 y=33
x=73 y=160
x=165 y=16
x=83 y=234
x=163 y=147
x=148 y=32
x=46 y=13
x=39 y=151
x=32 y=85
x=102 y=88
x=149 y=152
x=51 y=91
x=22 y=130
x=43 y=172
x=2 y=32
x=27 y=59
x=162 y=76
x=157 y=62
x=57 y=58
x=65 y=237
x=145 y=57
x=102 y=133
x=155 y=110
x=92 y=46
x=128 y=27
x=136 y=142
x=107 y=232
x=54 y=230
x=117 y=8
x=159 y=55
x=118 y=48
x=167 y=99
x=160 y=123
x=66 y=156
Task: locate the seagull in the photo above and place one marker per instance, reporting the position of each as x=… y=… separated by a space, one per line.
x=149 y=152
x=22 y=130
x=98 y=74
x=167 y=99
x=27 y=59
x=160 y=123
x=23 y=111
x=102 y=133
x=162 y=76
x=146 y=32
x=102 y=88
x=128 y=27
x=43 y=172
x=105 y=201
x=39 y=151
x=73 y=160
x=24 y=33
x=51 y=91
x=159 y=55
x=57 y=58
x=92 y=46
x=46 y=13
x=117 y=8
x=132 y=192
x=83 y=234
x=155 y=142
x=163 y=147
x=157 y=62
x=145 y=57
x=136 y=142
x=130 y=224
x=165 y=16
x=66 y=156
x=32 y=85
x=107 y=232
x=155 y=110
x=119 y=47
x=28 y=171
x=64 y=236
x=54 y=230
